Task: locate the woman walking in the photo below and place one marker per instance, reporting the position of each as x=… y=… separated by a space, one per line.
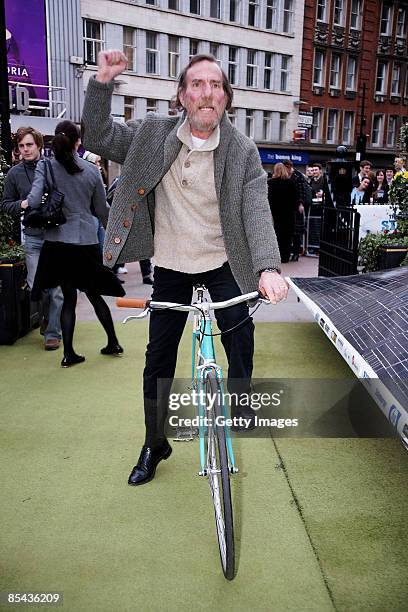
x=70 y=257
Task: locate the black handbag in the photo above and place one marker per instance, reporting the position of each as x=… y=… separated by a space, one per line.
x=49 y=214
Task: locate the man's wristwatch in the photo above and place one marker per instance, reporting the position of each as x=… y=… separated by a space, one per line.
x=269 y=270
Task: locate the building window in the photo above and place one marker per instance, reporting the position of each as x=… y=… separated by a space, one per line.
x=195 y=7
x=252 y=69
x=392 y=131
x=152 y=53
x=284 y=73
x=355 y=14
x=194 y=46
x=348 y=128
x=283 y=127
x=316 y=125
x=151 y=2
x=332 y=123
x=215 y=51
x=318 y=76
x=288 y=16
x=151 y=105
x=173 y=5
x=234 y=11
x=232 y=115
x=129 y=108
x=172 y=111
x=385 y=25
x=93 y=40
x=401 y=19
x=233 y=65
x=252 y=12
x=215 y=9
x=269 y=71
x=338 y=16
x=351 y=73
x=335 y=66
x=267 y=125
x=271 y=13
x=174 y=56
x=249 y=123
x=381 y=80
x=377 y=130
x=129 y=46
x=396 y=79
x=321 y=10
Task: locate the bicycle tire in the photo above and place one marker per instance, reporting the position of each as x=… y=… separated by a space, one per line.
x=219 y=480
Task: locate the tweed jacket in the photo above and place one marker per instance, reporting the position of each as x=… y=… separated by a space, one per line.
x=146 y=149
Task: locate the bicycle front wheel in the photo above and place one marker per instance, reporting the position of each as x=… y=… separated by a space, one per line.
x=219 y=478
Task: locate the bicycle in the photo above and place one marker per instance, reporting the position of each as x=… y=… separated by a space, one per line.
x=216 y=453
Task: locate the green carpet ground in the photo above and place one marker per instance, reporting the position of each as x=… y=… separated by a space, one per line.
x=321 y=524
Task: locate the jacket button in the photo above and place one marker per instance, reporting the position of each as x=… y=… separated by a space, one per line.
x=184 y=182
x=117 y=240
x=187 y=164
x=108 y=256
x=133 y=207
x=126 y=223
x=141 y=191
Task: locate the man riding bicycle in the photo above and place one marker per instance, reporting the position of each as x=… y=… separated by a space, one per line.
x=193 y=195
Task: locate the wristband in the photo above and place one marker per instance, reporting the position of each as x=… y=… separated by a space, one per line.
x=268 y=270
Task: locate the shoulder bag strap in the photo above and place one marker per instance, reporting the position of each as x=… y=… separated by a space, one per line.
x=48 y=165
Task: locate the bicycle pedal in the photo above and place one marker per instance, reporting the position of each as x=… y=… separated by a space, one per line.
x=185 y=434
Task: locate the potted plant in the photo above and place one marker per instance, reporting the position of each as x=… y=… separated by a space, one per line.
x=383 y=250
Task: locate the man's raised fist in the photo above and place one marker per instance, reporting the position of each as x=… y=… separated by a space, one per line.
x=110 y=63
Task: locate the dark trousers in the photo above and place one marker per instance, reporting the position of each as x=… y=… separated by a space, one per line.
x=166 y=328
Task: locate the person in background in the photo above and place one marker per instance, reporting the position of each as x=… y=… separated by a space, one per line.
x=365 y=169
x=282 y=198
x=380 y=194
x=362 y=193
x=303 y=196
x=17 y=186
x=389 y=175
x=70 y=256
x=400 y=164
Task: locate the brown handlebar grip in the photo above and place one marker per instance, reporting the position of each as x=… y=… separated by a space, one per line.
x=124 y=302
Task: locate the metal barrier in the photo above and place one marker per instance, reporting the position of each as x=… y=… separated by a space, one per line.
x=339 y=241
x=313 y=228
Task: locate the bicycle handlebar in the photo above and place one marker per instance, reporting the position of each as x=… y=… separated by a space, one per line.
x=124 y=302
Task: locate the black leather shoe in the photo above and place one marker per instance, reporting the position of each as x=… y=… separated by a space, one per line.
x=112 y=349
x=147 y=280
x=246 y=416
x=72 y=360
x=149 y=458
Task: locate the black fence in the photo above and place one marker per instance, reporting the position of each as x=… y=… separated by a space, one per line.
x=339 y=241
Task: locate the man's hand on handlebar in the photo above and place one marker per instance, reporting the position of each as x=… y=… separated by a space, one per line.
x=273 y=286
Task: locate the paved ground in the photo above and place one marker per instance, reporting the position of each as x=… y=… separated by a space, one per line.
x=290 y=310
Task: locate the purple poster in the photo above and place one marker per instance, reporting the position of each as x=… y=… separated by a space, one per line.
x=27 y=46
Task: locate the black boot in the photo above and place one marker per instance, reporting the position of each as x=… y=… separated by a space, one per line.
x=149 y=458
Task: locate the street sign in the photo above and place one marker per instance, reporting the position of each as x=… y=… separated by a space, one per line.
x=305 y=119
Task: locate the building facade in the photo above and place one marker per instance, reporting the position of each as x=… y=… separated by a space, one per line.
x=354 y=76
x=257 y=43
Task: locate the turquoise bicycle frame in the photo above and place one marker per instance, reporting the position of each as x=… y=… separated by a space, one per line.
x=198 y=375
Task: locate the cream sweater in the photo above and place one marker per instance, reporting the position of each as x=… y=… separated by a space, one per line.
x=188 y=236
